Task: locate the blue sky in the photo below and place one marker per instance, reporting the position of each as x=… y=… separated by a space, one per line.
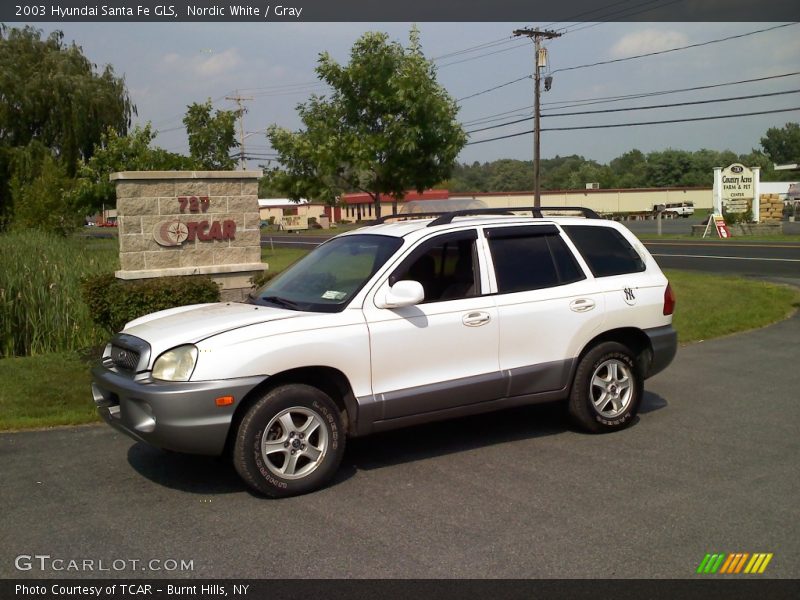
x=168 y=66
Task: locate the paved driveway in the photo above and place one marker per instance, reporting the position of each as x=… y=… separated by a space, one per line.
x=712 y=465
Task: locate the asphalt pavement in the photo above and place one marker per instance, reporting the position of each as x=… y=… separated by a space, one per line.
x=711 y=465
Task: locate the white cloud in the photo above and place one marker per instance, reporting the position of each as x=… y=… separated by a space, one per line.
x=206 y=63
x=219 y=63
x=649 y=40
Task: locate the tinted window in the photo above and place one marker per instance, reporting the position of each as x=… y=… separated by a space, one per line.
x=605 y=250
x=531 y=258
x=447 y=267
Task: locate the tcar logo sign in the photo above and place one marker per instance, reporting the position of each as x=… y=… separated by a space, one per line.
x=174 y=232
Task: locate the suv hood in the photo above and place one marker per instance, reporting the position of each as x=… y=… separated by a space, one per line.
x=190 y=324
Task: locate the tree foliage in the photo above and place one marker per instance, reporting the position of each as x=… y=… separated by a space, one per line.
x=387 y=126
x=782 y=145
x=41 y=190
x=211 y=137
x=51 y=94
x=132 y=152
x=634 y=169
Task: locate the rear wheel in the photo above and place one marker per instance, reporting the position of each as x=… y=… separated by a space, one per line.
x=607 y=389
x=290 y=441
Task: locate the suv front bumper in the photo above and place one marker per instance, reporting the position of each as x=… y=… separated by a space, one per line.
x=179 y=416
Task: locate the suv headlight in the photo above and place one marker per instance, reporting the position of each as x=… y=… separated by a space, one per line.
x=176 y=364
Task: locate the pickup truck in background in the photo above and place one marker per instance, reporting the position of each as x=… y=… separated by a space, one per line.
x=681 y=209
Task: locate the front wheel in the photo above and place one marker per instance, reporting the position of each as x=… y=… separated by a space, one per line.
x=290 y=442
x=607 y=389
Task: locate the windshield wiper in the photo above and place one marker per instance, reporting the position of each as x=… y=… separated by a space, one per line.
x=285 y=302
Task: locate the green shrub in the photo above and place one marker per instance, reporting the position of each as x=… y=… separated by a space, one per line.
x=261 y=278
x=40 y=298
x=114 y=302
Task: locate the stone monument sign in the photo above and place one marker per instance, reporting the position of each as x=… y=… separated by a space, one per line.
x=190 y=223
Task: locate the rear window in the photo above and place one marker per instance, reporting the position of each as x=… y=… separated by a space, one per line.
x=531 y=258
x=605 y=250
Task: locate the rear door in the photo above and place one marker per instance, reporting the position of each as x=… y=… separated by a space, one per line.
x=547 y=306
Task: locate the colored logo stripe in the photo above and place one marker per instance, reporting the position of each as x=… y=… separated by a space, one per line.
x=734 y=563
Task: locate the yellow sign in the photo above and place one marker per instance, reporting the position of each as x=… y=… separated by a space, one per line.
x=294 y=222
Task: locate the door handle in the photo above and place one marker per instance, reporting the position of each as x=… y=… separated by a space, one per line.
x=582 y=305
x=476 y=319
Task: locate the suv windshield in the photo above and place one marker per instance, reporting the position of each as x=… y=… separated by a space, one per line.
x=326 y=279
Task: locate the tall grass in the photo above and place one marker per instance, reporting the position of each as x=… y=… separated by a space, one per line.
x=40 y=298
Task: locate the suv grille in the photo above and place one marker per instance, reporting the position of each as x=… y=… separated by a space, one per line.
x=124 y=358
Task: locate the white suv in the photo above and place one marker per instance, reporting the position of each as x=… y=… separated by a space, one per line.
x=392 y=325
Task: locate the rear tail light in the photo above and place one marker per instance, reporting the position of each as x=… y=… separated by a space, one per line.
x=669 y=300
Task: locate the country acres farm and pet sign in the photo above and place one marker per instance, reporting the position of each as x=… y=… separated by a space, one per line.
x=738 y=187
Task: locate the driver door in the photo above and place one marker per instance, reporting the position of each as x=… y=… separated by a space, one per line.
x=442 y=353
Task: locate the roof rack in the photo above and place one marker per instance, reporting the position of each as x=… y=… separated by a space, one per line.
x=444 y=218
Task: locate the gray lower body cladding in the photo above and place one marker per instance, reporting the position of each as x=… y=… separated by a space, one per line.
x=664 y=342
x=183 y=417
x=468 y=396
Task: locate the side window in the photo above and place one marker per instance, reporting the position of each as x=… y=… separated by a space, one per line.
x=531 y=258
x=446 y=266
x=605 y=250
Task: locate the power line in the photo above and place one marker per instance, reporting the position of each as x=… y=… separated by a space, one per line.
x=609 y=99
x=497 y=87
x=711 y=118
x=631 y=58
x=463 y=60
x=697 y=45
x=483 y=46
x=619 y=15
x=652 y=106
x=585 y=13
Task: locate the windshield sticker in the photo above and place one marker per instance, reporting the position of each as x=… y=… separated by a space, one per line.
x=334 y=295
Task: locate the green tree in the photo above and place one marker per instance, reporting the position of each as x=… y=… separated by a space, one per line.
x=387 y=126
x=629 y=170
x=41 y=189
x=50 y=92
x=132 y=152
x=211 y=137
x=782 y=145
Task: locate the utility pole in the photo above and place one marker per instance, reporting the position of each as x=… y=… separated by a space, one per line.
x=239 y=100
x=539 y=61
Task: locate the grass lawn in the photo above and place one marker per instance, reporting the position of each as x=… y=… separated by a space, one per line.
x=280 y=258
x=53 y=389
x=45 y=390
x=710 y=306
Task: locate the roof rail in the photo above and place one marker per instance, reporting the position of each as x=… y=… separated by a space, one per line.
x=385 y=218
x=536 y=212
x=444 y=218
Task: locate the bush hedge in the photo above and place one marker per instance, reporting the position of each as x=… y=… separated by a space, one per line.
x=113 y=302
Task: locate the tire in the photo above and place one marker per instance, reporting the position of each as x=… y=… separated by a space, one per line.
x=607 y=389
x=290 y=442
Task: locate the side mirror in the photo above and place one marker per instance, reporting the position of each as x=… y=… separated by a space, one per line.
x=403 y=293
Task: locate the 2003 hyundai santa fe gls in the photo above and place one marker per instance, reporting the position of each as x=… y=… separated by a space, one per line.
x=396 y=324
